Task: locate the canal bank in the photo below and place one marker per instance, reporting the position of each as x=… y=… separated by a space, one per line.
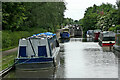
x=11 y=55
x=78 y=60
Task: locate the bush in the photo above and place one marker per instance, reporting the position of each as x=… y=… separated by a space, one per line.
x=11 y=39
x=111 y=29
x=117 y=27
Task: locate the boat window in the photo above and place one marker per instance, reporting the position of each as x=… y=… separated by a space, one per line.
x=42 y=51
x=22 y=51
x=109 y=39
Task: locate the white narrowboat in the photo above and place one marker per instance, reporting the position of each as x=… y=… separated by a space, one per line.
x=106 y=38
x=38 y=51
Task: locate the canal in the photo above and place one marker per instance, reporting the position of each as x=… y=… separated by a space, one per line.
x=80 y=58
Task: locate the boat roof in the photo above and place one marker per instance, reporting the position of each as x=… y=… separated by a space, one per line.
x=108 y=34
x=90 y=30
x=42 y=35
x=96 y=31
x=65 y=28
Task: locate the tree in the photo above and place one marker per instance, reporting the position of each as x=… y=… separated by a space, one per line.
x=25 y=15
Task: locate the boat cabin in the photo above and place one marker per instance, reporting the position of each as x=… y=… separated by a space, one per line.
x=37 y=49
x=107 y=38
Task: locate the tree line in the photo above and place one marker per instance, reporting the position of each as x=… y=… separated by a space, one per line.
x=23 y=19
x=104 y=17
x=21 y=16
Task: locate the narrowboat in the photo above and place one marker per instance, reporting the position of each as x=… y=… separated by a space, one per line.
x=65 y=33
x=95 y=35
x=71 y=30
x=77 y=31
x=38 y=51
x=116 y=47
x=106 y=38
x=89 y=33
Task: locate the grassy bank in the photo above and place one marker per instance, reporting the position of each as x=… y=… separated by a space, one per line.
x=10 y=39
x=8 y=60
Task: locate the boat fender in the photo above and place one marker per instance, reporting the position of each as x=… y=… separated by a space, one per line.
x=57 y=43
x=54 y=62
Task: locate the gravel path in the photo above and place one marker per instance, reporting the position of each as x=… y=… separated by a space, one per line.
x=9 y=51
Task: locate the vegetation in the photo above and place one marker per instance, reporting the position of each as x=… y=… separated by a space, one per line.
x=8 y=60
x=104 y=17
x=22 y=16
x=23 y=19
x=10 y=39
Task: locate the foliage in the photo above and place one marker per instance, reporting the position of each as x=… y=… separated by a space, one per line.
x=23 y=19
x=24 y=15
x=68 y=21
x=11 y=39
x=114 y=28
x=118 y=6
x=104 y=17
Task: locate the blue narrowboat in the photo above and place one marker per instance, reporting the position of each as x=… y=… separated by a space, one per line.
x=38 y=51
x=65 y=33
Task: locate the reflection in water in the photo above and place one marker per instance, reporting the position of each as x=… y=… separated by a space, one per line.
x=107 y=49
x=78 y=60
x=117 y=54
x=87 y=40
x=64 y=40
x=49 y=73
x=87 y=60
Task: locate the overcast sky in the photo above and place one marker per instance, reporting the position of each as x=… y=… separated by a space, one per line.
x=76 y=8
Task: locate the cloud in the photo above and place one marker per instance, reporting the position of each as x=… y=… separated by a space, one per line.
x=76 y=8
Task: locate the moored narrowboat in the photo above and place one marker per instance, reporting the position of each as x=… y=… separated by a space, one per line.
x=65 y=33
x=89 y=33
x=95 y=35
x=116 y=47
x=38 y=51
x=78 y=30
x=107 y=38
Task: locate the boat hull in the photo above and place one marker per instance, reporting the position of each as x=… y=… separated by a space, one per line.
x=38 y=63
x=106 y=43
x=32 y=66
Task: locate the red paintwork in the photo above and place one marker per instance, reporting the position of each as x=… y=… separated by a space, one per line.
x=108 y=44
x=97 y=35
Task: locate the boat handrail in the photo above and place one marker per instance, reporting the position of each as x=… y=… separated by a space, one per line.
x=32 y=57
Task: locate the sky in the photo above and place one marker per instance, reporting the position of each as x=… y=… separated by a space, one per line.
x=76 y=8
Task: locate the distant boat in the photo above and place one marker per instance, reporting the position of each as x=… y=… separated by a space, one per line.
x=78 y=31
x=89 y=33
x=116 y=47
x=38 y=51
x=65 y=33
x=95 y=35
x=107 y=38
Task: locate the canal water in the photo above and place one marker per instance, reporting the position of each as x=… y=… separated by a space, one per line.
x=80 y=58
